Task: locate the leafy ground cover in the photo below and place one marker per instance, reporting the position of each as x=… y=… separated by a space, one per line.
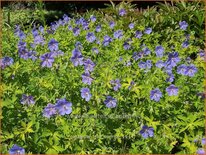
x=105 y=82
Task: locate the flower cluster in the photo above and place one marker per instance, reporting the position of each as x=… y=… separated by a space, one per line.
x=62 y=107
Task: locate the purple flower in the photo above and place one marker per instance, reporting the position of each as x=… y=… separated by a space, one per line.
x=126 y=46
x=85 y=94
x=49 y=110
x=201 y=151
x=191 y=70
x=148 y=64
x=95 y=50
x=77 y=58
x=78 y=45
x=35 y=32
x=23 y=53
x=111 y=24
x=173 y=59
x=98 y=28
x=172 y=90
x=170 y=78
x=32 y=55
x=160 y=64
x=146 y=51
x=63 y=107
x=70 y=27
x=182 y=69
x=47 y=60
x=89 y=65
x=183 y=25
x=185 y=44
x=106 y=40
x=118 y=34
x=53 y=45
x=148 y=30
x=122 y=12
x=202 y=53
x=203 y=141
x=147 y=131
x=142 y=65
x=131 y=25
x=116 y=83
x=76 y=31
x=27 y=100
x=90 y=37
x=93 y=18
x=6 y=61
x=110 y=102
x=131 y=84
x=159 y=51
x=136 y=56
x=86 y=78
x=38 y=40
x=85 y=25
x=21 y=45
x=16 y=150
x=138 y=34
x=155 y=94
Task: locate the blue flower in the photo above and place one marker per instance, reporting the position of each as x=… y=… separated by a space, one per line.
x=6 y=61
x=183 y=25
x=173 y=59
x=112 y=24
x=203 y=141
x=110 y=102
x=85 y=94
x=49 y=110
x=191 y=70
x=148 y=30
x=172 y=90
x=63 y=106
x=155 y=94
x=47 y=60
x=185 y=44
x=147 y=131
x=170 y=78
x=90 y=37
x=131 y=25
x=201 y=151
x=93 y=18
x=148 y=64
x=53 y=45
x=39 y=40
x=35 y=32
x=142 y=65
x=138 y=34
x=146 y=51
x=159 y=51
x=98 y=28
x=88 y=65
x=106 y=40
x=23 y=53
x=16 y=150
x=116 y=83
x=86 y=78
x=95 y=50
x=76 y=31
x=182 y=69
x=118 y=34
x=136 y=56
x=160 y=64
x=122 y=12
x=77 y=58
x=27 y=100
x=126 y=46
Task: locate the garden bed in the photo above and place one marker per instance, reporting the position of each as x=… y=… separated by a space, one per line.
x=116 y=80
